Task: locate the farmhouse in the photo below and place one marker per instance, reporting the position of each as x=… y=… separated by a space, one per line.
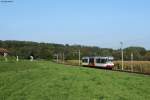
x=3 y=51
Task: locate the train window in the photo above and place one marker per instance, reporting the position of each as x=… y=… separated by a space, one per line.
x=103 y=60
x=98 y=60
x=85 y=60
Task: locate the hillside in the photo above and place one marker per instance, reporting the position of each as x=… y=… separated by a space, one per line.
x=25 y=49
x=49 y=81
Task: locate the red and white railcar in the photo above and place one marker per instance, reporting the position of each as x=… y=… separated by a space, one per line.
x=98 y=61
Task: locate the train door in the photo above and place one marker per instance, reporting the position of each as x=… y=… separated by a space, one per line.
x=91 y=62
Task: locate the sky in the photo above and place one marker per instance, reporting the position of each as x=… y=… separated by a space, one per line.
x=102 y=23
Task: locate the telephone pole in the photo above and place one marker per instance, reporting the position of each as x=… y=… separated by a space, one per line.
x=56 y=55
x=79 y=57
x=63 y=57
x=122 y=54
x=132 y=62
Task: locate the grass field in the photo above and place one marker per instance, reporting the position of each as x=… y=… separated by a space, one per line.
x=49 y=81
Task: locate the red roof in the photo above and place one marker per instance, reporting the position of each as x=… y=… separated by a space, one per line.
x=2 y=50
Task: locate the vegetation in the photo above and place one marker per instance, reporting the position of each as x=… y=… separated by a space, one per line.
x=45 y=80
x=25 y=49
x=135 y=66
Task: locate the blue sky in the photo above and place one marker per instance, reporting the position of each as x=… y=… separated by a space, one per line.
x=102 y=23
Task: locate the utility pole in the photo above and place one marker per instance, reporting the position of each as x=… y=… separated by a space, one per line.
x=63 y=57
x=56 y=57
x=132 y=62
x=79 y=57
x=122 y=54
x=60 y=57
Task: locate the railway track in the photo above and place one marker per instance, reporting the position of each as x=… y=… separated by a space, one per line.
x=118 y=70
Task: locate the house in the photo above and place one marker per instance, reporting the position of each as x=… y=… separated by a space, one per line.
x=3 y=51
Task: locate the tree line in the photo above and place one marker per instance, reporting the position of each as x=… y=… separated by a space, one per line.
x=25 y=49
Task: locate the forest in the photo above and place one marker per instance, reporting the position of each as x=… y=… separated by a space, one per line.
x=25 y=49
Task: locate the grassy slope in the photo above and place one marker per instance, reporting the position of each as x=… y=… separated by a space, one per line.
x=49 y=81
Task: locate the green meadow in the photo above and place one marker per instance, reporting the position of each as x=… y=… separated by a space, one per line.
x=44 y=80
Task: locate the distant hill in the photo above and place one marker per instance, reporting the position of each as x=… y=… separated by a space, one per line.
x=24 y=49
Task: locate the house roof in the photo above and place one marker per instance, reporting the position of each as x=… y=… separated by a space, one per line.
x=2 y=50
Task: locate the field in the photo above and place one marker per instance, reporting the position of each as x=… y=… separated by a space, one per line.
x=138 y=66
x=44 y=80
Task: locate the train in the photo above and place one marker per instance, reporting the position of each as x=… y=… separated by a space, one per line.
x=98 y=61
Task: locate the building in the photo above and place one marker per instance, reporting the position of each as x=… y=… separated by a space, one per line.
x=3 y=51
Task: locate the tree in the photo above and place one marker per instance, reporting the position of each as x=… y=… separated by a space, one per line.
x=147 y=56
x=24 y=49
x=138 y=53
